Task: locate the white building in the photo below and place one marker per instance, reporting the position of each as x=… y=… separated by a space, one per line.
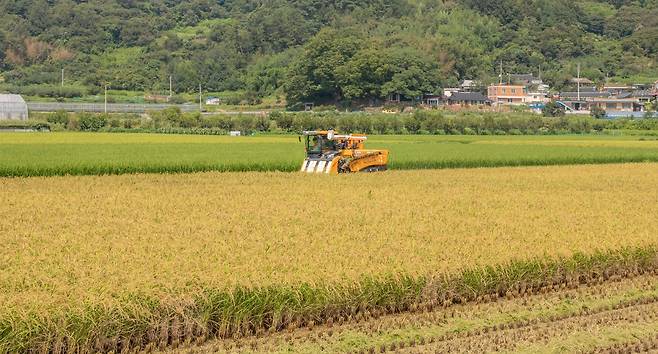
x=213 y=101
x=13 y=107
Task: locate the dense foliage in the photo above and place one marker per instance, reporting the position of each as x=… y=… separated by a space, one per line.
x=311 y=50
x=172 y=120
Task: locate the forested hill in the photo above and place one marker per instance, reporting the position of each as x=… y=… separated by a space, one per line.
x=312 y=49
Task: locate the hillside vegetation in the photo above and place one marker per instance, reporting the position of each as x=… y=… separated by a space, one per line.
x=316 y=50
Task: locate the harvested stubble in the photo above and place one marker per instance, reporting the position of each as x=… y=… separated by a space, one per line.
x=467 y=323
x=111 y=262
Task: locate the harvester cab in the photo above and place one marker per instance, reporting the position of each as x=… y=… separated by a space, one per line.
x=331 y=153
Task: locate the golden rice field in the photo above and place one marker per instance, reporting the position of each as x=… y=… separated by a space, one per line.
x=75 y=249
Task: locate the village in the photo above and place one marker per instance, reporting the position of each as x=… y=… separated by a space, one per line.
x=526 y=90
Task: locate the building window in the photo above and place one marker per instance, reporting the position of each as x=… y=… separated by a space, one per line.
x=513 y=90
x=626 y=105
x=610 y=105
x=509 y=100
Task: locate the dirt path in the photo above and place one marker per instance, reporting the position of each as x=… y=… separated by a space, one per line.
x=616 y=316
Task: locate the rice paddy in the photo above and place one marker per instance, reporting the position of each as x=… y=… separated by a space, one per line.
x=27 y=154
x=116 y=262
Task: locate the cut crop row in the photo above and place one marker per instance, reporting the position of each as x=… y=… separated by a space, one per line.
x=148 y=322
x=466 y=322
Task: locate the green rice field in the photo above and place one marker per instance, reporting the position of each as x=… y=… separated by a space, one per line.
x=39 y=154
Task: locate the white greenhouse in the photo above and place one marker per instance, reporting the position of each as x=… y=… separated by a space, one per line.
x=12 y=107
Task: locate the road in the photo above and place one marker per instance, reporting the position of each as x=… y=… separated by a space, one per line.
x=119 y=108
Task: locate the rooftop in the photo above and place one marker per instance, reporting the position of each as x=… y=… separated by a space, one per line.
x=11 y=98
x=585 y=94
x=468 y=96
x=582 y=80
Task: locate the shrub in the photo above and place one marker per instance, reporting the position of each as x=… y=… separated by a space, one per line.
x=73 y=124
x=91 y=122
x=469 y=131
x=130 y=123
x=189 y=120
x=52 y=91
x=553 y=109
x=233 y=100
x=59 y=117
x=176 y=100
x=598 y=112
x=324 y=108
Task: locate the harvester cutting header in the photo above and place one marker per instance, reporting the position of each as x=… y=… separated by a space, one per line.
x=328 y=152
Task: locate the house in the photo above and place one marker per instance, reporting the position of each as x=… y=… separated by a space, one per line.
x=617 y=89
x=448 y=91
x=582 y=81
x=577 y=101
x=643 y=96
x=616 y=104
x=468 y=99
x=584 y=95
x=507 y=94
x=537 y=96
x=469 y=86
x=432 y=100
x=213 y=101
x=615 y=100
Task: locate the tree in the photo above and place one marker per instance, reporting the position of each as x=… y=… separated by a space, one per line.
x=313 y=75
x=413 y=74
x=507 y=11
x=365 y=73
x=553 y=109
x=275 y=30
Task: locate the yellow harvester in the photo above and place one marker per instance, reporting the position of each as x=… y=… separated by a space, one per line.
x=328 y=152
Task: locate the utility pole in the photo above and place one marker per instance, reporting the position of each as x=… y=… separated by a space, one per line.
x=578 y=81
x=105 y=98
x=200 y=100
x=501 y=72
x=170 y=86
x=62 y=77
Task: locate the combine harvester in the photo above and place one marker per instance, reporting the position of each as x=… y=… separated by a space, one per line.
x=328 y=152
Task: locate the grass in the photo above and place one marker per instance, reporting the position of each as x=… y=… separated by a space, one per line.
x=93 y=262
x=91 y=153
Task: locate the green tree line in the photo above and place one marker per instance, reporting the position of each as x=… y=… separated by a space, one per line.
x=312 y=50
x=172 y=120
